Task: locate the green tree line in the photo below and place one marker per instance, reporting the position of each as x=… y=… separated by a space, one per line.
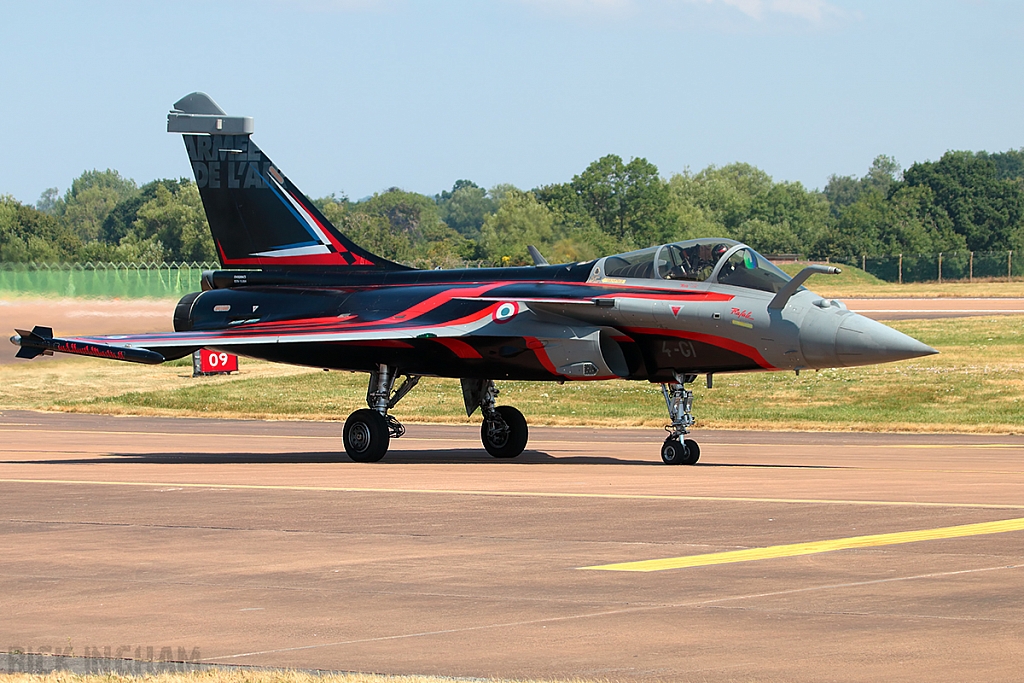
x=965 y=201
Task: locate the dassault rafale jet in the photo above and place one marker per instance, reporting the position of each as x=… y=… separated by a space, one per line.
x=293 y=289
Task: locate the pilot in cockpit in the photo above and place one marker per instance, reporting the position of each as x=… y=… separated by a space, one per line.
x=708 y=266
x=695 y=262
x=700 y=260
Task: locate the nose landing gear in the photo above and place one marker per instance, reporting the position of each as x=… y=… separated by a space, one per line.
x=678 y=450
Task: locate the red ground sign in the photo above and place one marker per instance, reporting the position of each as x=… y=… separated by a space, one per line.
x=213 y=362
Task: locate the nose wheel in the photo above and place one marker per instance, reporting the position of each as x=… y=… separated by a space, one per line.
x=677 y=449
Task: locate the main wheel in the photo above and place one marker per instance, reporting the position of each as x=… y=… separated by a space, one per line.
x=366 y=436
x=505 y=440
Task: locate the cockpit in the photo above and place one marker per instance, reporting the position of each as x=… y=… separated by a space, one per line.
x=720 y=260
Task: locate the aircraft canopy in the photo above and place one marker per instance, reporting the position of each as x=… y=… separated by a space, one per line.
x=713 y=259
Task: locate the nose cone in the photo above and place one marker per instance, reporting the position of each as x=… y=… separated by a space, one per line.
x=835 y=337
x=863 y=341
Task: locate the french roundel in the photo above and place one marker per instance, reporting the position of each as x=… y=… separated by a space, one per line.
x=505 y=312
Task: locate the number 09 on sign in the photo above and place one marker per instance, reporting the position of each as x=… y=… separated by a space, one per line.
x=207 y=362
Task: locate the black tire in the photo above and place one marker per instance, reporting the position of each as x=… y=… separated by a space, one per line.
x=694 y=451
x=674 y=452
x=505 y=443
x=366 y=436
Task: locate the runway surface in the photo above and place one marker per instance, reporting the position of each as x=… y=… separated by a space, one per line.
x=81 y=316
x=855 y=557
x=907 y=309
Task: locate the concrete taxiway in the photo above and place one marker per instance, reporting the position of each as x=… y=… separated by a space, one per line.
x=820 y=556
x=960 y=307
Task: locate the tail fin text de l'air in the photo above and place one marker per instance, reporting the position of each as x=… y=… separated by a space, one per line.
x=257 y=216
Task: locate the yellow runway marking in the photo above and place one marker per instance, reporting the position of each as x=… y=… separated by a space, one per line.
x=521 y=494
x=814 y=547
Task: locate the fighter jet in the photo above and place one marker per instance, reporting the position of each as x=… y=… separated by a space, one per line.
x=293 y=289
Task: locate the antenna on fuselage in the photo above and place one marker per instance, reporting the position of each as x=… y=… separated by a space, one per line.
x=538 y=259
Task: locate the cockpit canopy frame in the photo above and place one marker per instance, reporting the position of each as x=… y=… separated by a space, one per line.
x=707 y=260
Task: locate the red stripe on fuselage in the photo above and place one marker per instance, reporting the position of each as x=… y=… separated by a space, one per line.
x=537 y=346
x=437 y=301
x=721 y=342
x=460 y=348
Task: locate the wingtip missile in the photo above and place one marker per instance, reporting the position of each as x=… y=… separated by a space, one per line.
x=32 y=343
x=41 y=341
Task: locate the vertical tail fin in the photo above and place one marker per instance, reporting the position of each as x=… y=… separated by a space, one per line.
x=257 y=216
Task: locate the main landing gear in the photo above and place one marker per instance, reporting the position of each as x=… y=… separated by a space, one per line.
x=368 y=432
x=678 y=450
x=503 y=432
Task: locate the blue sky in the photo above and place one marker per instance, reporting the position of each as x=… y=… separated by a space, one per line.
x=355 y=96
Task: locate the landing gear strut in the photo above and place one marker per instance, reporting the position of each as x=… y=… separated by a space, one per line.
x=368 y=431
x=678 y=450
x=504 y=432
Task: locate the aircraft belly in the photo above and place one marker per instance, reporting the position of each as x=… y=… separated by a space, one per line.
x=516 y=358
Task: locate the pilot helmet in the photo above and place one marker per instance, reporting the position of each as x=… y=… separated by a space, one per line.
x=718 y=251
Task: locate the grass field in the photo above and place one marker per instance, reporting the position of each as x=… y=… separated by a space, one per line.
x=976 y=384
x=103 y=282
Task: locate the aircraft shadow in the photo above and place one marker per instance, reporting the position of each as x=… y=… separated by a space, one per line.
x=449 y=456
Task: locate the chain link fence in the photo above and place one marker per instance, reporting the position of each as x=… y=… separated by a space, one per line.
x=102 y=280
x=958 y=265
